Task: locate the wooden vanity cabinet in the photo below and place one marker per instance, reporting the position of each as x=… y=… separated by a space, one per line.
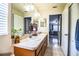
x=42 y=48
x=40 y=51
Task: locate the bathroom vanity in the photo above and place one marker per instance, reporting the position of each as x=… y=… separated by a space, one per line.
x=34 y=46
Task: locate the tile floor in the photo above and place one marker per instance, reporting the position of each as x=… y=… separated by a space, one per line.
x=54 y=49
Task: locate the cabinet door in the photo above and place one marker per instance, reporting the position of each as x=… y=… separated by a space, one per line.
x=43 y=48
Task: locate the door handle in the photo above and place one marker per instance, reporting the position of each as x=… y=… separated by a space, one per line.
x=66 y=34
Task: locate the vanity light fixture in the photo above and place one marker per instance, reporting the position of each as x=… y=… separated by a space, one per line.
x=54 y=7
x=29 y=7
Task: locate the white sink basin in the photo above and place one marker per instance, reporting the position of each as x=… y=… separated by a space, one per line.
x=31 y=43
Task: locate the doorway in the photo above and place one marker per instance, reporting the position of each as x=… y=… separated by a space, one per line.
x=55 y=31
x=27 y=21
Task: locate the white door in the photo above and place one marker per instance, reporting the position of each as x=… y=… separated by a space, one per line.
x=64 y=44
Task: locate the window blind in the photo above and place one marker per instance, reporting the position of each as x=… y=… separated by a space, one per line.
x=3 y=18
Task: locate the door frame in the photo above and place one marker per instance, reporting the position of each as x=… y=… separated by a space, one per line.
x=61 y=30
x=60 y=42
x=69 y=29
x=26 y=19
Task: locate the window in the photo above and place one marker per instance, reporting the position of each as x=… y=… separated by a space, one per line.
x=55 y=27
x=3 y=18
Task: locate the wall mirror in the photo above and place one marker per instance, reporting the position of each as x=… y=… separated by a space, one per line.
x=36 y=22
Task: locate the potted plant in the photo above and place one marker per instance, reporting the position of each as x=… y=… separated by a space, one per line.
x=15 y=35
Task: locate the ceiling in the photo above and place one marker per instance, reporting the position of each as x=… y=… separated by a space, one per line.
x=47 y=8
x=44 y=9
x=18 y=6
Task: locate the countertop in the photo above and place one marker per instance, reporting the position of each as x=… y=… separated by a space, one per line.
x=31 y=43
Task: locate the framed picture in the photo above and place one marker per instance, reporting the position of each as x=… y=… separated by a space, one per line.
x=41 y=24
x=45 y=22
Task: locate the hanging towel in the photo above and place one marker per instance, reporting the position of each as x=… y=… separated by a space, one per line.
x=77 y=35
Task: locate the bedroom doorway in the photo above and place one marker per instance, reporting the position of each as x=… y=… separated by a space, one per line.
x=55 y=31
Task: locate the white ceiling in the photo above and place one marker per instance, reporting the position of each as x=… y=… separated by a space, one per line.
x=43 y=8
x=47 y=8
